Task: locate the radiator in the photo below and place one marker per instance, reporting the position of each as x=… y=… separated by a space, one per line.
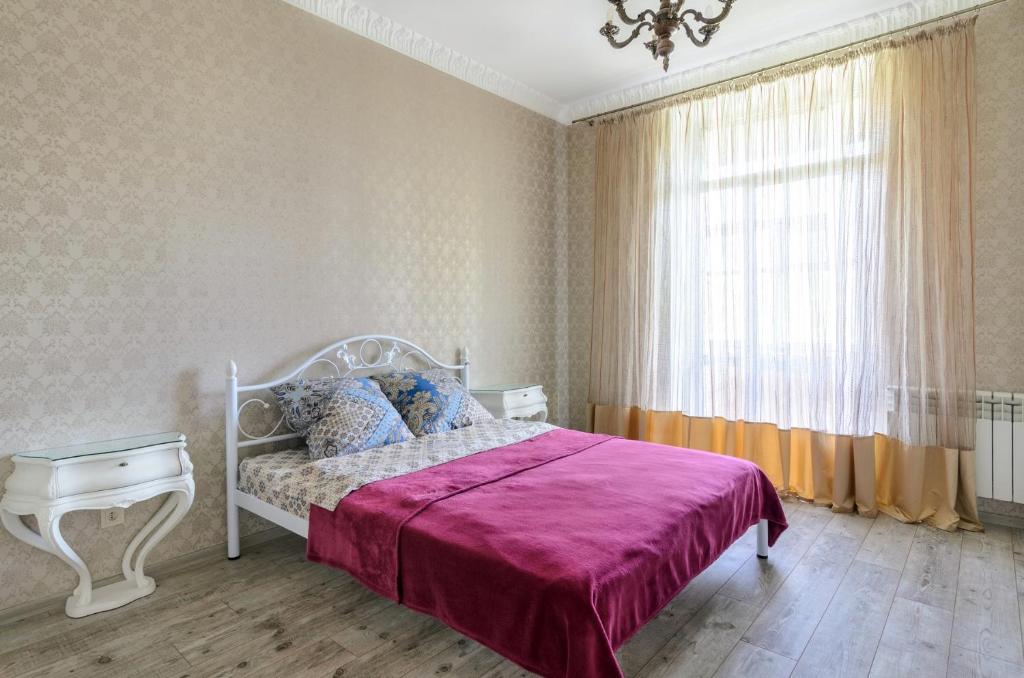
x=1000 y=445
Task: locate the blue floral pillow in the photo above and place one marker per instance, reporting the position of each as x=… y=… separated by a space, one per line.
x=431 y=402
x=303 y=401
x=356 y=419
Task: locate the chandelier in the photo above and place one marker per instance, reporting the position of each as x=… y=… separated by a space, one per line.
x=663 y=23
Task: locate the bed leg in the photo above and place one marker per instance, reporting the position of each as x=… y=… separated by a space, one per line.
x=762 y=539
x=234 y=542
x=231 y=457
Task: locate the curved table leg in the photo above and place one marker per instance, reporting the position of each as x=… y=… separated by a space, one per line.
x=49 y=529
x=49 y=539
x=165 y=509
x=163 y=521
x=21 y=531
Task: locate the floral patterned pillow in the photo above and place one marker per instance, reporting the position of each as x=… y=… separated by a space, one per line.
x=431 y=402
x=303 y=401
x=356 y=419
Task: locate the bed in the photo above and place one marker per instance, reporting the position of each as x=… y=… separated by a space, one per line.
x=550 y=546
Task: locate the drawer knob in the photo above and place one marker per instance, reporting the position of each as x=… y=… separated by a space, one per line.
x=123 y=464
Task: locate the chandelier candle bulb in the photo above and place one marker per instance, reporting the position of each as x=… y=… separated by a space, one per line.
x=669 y=18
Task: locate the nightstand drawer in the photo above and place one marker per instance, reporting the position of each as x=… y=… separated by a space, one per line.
x=106 y=473
x=51 y=479
x=523 y=397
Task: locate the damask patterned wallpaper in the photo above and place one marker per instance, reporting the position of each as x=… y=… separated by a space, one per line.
x=186 y=182
x=580 y=268
x=999 y=197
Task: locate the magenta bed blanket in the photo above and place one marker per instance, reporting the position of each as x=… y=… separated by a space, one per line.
x=552 y=551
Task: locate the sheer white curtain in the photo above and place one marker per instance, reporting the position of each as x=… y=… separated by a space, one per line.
x=796 y=251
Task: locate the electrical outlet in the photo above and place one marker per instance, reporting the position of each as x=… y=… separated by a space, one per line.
x=112 y=516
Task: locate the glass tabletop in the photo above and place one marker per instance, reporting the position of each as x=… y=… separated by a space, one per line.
x=504 y=387
x=104 y=446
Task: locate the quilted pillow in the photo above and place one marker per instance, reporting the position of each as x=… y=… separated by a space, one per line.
x=303 y=401
x=356 y=419
x=431 y=402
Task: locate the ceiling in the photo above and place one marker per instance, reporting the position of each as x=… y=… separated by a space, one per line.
x=552 y=48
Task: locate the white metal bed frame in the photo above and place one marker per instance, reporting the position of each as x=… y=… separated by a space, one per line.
x=370 y=352
x=370 y=355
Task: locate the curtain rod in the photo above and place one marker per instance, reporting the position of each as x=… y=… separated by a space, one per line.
x=976 y=8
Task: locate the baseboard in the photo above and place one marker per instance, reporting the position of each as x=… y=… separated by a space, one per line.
x=1003 y=519
x=163 y=567
x=998 y=512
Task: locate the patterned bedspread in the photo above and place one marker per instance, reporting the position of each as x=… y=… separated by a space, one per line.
x=291 y=481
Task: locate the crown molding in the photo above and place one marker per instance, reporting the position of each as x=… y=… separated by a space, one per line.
x=899 y=17
x=365 y=22
x=352 y=16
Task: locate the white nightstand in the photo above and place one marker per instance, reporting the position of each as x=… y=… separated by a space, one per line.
x=110 y=474
x=514 y=401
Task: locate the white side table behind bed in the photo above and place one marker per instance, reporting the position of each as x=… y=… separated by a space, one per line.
x=514 y=401
x=110 y=474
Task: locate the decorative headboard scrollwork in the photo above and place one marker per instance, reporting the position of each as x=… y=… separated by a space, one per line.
x=394 y=357
x=357 y=355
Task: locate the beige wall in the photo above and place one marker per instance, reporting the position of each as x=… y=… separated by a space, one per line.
x=999 y=198
x=999 y=207
x=580 y=268
x=186 y=182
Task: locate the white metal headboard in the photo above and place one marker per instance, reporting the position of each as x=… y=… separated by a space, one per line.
x=366 y=353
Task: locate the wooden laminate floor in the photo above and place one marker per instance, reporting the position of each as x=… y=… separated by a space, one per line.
x=841 y=595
